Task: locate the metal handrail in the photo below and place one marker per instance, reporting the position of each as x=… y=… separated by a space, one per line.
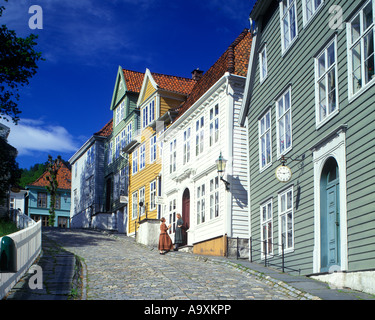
x=267 y=261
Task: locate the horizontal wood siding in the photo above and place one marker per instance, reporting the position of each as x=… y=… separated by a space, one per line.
x=149 y=91
x=204 y=169
x=296 y=67
x=239 y=184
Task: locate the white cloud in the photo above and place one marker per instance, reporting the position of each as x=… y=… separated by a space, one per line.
x=32 y=135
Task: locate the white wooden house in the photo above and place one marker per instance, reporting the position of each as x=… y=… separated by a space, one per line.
x=207 y=125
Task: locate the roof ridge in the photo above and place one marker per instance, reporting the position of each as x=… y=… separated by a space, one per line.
x=230 y=60
x=169 y=75
x=230 y=50
x=123 y=69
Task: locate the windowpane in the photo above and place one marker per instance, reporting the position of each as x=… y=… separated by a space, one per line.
x=286 y=32
x=331 y=55
x=369 y=57
x=322 y=65
x=293 y=26
x=265 y=139
x=367 y=16
x=357 y=73
x=356 y=28
x=268 y=120
x=326 y=87
x=309 y=9
x=332 y=91
x=362 y=48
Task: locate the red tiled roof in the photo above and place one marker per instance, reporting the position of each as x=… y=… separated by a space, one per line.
x=234 y=60
x=63 y=178
x=106 y=130
x=133 y=79
x=173 y=83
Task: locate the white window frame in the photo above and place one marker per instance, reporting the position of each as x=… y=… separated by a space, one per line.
x=153 y=195
x=148 y=114
x=153 y=148
x=119 y=113
x=263 y=135
x=214 y=198
x=214 y=125
x=287 y=7
x=172 y=156
x=324 y=76
x=363 y=33
x=142 y=156
x=266 y=223
x=142 y=198
x=187 y=143
x=128 y=133
x=135 y=205
x=172 y=215
x=284 y=116
x=201 y=204
x=287 y=213
x=263 y=70
x=135 y=162
x=313 y=7
x=123 y=140
x=199 y=136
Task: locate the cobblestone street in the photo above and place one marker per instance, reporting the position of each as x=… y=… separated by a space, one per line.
x=119 y=268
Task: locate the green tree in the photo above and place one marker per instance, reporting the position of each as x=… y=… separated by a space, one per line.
x=18 y=63
x=9 y=171
x=28 y=176
x=53 y=167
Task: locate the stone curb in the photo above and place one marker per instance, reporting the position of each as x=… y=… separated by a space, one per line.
x=293 y=292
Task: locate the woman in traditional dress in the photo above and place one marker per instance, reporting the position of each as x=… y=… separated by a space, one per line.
x=178 y=238
x=165 y=242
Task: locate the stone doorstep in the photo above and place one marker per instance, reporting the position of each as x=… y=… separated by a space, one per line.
x=187 y=248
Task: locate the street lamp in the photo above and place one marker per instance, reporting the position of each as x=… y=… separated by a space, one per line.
x=220 y=166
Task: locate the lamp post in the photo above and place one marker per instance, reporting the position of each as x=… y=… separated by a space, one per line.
x=220 y=166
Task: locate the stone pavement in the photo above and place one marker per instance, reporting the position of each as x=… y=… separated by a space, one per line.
x=115 y=267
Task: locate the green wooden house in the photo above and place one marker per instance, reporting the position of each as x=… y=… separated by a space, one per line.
x=125 y=126
x=310 y=113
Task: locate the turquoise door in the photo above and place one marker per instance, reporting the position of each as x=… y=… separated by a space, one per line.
x=330 y=216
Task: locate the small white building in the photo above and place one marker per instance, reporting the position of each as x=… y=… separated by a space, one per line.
x=207 y=126
x=17 y=200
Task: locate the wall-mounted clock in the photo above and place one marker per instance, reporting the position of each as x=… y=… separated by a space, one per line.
x=283 y=173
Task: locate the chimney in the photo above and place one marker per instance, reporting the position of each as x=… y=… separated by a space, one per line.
x=196 y=74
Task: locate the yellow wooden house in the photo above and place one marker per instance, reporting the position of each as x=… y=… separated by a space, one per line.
x=158 y=101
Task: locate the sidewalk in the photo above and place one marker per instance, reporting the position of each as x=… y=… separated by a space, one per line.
x=297 y=285
x=60 y=276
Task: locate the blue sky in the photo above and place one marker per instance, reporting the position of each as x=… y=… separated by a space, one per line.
x=84 y=42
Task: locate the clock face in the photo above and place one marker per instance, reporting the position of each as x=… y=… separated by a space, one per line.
x=283 y=173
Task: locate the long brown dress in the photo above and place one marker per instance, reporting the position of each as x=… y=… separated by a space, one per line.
x=165 y=242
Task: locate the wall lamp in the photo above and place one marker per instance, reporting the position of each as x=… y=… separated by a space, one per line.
x=220 y=166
